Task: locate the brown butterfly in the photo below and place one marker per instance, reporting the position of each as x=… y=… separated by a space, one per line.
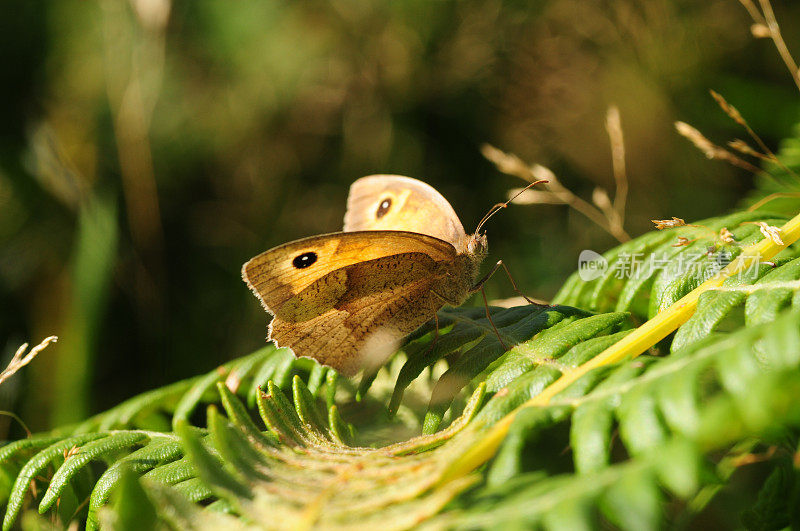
x=347 y=298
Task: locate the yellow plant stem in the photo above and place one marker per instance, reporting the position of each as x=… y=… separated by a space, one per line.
x=632 y=345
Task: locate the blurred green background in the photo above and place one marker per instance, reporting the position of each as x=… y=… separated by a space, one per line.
x=149 y=148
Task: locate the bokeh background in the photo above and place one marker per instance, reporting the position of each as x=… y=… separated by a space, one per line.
x=149 y=148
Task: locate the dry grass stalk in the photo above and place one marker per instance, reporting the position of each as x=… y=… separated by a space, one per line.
x=744 y=148
x=764 y=26
x=607 y=214
x=731 y=111
x=767 y=26
x=535 y=197
x=755 y=14
x=614 y=129
x=736 y=116
x=772 y=197
x=21 y=359
x=711 y=150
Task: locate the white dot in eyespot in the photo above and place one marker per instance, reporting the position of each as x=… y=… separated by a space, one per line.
x=383 y=207
x=304 y=260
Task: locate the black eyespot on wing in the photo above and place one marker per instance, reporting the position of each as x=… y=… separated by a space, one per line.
x=383 y=208
x=301 y=261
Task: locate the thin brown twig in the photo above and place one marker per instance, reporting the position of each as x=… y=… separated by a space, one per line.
x=765 y=25
x=563 y=195
x=78 y=509
x=614 y=129
x=711 y=150
x=765 y=20
x=603 y=202
x=755 y=14
x=744 y=148
x=21 y=359
x=608 y=214
x=18 y=419
x=556 y=193
x=777 y=38
x=772 y=197
x=751 y=458
x=737 y=117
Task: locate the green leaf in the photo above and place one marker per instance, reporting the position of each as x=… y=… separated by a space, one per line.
x=159 y=451
x=81 y=456
x=650 y=273
x=34 y=467
x=634 y=502
x=771 y=510
x=207 y=464
x=132 y=508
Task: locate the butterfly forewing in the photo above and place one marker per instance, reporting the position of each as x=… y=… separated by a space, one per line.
x=274 y=275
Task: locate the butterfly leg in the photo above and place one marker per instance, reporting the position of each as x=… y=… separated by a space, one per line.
x=489 y=317
x=485 y=304
x=498 y=265
x=436 y=321
x=435 y=334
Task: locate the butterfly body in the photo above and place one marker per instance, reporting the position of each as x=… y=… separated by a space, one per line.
x=347 y=298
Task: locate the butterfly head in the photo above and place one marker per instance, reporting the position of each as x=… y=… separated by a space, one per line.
x=477 y=246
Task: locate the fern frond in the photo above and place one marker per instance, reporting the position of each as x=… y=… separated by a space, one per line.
x=302 y=458
x=314 y=479
x=312 y=417
x=665 y=272
x=161 y=408
x=672 y=413
x=481 y=348
x=644 y=337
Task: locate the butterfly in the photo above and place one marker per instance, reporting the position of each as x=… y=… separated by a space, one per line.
x=346 y=299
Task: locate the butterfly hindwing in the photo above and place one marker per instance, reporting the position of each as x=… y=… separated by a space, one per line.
x=394 y=202
x=386 y=299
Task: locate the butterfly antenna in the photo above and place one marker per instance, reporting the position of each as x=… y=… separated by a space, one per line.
x=500 y=206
